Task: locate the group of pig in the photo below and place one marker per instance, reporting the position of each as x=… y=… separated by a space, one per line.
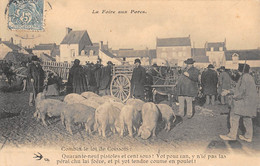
x=100 y=113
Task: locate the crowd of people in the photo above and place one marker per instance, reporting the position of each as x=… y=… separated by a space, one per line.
x=213 y=84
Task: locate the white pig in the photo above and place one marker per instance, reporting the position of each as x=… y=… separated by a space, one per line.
x=150 y=116
x=167 y=115
x=73 y=98
x=89 y=94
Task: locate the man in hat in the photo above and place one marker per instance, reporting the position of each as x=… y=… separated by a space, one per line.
x=244 y=105
x=138 y=80
x=36 y=79
x=77 y=81
x=224 y=84
x=209 y=82
x=187 y=87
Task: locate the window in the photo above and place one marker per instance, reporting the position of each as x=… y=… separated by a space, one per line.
x=73 y=53
x=124 y=59
x=211 y=48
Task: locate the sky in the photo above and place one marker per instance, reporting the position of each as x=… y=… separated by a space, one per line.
x=212 y=21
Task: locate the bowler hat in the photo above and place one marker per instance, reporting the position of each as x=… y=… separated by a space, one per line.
x=109 y=63
x=137 y=61
x=189 y=61
x=34 y=58
x=222 y=68
x=76 y=61
x=155 y=65
x=210 y=66
x=244 y=68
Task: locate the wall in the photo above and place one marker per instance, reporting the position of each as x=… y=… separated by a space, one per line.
x=4 y=50
x=234 y=65
x=216 y=58
x=173 y=55
x=106 y=58
x=65 y=52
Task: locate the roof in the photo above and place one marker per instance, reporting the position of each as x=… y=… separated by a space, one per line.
x=46 y=57
x=56 y=51
x=253 y=54
x=201 y=59
x=122 y=53
x=16 y=57
x=45 y=46
x=198 y=52
x=216 y=44
x=74 y=37
x=14 y=47
x=168 y=42
x=94 y=47
x=108 y=53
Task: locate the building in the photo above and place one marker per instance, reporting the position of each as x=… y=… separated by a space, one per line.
x=9 y=46
x=78 y=45
x=199 y=55
x=129 y=55
x=174 y=50
x=216 y=53
x=251 y=57
x=51 y=50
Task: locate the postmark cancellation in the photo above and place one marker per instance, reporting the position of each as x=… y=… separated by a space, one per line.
x=26 y=15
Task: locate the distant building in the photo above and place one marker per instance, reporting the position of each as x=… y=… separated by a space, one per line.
x=51 y=50
x=129 y=55
x=199 y=55
x=9 y=46
x=251 y=57
x=174 y=50
x=216 y=53
x=77 y=45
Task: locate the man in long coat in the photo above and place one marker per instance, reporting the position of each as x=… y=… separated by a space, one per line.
x=138 y=80
x=209 y=82
x=187 y=87
x=224 y=84
x=36 y=79
x=244 y=105
x=77 y=80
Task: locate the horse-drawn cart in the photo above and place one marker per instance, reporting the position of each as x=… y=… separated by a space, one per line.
x=163 y=78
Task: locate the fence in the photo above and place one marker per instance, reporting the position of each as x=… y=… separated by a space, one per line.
x=62 y=69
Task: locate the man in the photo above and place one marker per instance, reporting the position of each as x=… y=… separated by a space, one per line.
x=187 y=87
x=36 y=79
x=224 y=84
x=138 y=80
x=244 y=105
x=77 y=81
x=209 y=82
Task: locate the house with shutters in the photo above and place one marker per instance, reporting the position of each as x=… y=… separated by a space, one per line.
x=215 y=51
x=199 y=55
x=174 y=50
x=250 y=56
x=78 y=45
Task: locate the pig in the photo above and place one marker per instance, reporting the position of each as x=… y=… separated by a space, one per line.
x=111 y=98
x=168 y=115
x=130 y=116
x=136 y=102
x=49 y=107
x=150 y=116
x=98 y=100
x=90 y=103
x=73 y=98
x=89 y=94
x=107 y=115
x=78 y=113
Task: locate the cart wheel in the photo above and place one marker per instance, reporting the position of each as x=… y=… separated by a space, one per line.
x=120 y=87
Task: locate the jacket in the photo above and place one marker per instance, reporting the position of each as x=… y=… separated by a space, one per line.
x=209 y=82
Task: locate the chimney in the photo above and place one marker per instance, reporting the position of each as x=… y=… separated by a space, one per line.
x=12 y=40
x=101 y=45
x=68 y=30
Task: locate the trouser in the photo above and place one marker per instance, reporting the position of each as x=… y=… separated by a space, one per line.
x=210 y=98
x=31 y=99
x=234 y=124
x=188 y=101
x=223 y=99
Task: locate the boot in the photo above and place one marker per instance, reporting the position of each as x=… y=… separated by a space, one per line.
x=31 y=100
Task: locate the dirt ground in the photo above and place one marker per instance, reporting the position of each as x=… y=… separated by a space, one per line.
x=18 y=128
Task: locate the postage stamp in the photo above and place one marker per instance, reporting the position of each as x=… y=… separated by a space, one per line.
x=26 y=15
